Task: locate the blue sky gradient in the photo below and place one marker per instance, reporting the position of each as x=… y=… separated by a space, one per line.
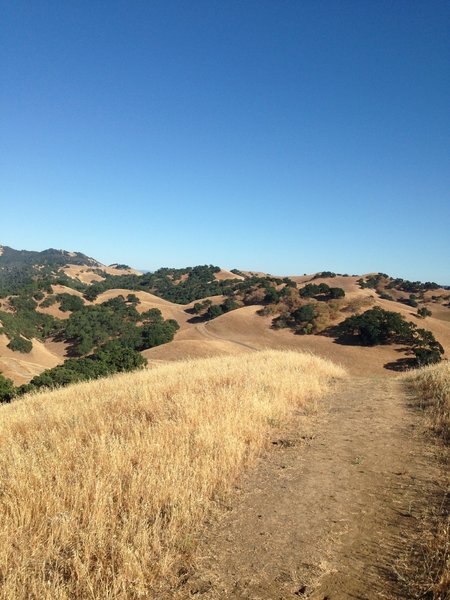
x=284 y=136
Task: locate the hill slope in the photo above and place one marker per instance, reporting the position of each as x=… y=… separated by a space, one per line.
x=105 y=484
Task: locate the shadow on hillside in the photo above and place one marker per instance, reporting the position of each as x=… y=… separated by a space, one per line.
x=399 y=365
x=341 y=338
x=197 y=319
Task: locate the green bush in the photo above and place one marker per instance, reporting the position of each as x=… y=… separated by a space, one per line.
x=376 y=326
x=214 y=311
x=7 y=389
x=20 y=344
x=70 y=302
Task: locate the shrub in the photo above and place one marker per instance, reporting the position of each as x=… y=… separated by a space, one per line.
x=336 y=292
x=424 y=312
x=304 y=314
x=20 y=344
x=70 y=302
x=7 y=389
x=133 y=299
x=213 y=312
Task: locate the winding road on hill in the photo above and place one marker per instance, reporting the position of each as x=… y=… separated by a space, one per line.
x=331 y=510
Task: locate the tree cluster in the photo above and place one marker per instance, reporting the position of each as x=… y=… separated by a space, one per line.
x=111 y=358
x=378 y=326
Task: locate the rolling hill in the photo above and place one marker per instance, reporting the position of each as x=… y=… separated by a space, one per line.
x=51 y=276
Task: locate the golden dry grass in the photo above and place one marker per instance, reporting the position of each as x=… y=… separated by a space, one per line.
x=432 y=386
x=105 y=484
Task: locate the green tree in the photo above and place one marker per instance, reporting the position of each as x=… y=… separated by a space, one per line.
x=336 y=292
x=20 y=344
x=304 y=314
x=7 y=389
x=377 y=326
x=214 y=311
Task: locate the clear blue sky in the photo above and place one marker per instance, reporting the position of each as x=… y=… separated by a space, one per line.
x=284 y=136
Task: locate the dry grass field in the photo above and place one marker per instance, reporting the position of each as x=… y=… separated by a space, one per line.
x=432 y=386
x=104 y=485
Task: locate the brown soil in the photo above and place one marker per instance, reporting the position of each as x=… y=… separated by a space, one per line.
x=331 y=510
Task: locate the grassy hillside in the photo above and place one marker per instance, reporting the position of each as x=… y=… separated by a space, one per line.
x=106 y=483
x=431 y=386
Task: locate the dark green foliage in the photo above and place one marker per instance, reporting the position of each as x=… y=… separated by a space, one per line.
x=182 y=286
x=411 y=301
x=20 y=344
x=370 y=282
x=119 y=358
x=70 y=302
x=111 y=358
x=312 y=290
x=304 y=314
x=214 y=311
x=324 y=274
x=133 y=299
x=427 y=350
x=272 y=295
x=289 y=282
x=424 y=312
x=120 y=266
x=201 y=307
x=154 y=334
x=93 y=326
x=7 y=389
x=37 y=270
x=49 y=301
x=385 y=296
x=377 y=326
x=335 y=293
x=322 y=291
x=25 y=321
x=229 y=305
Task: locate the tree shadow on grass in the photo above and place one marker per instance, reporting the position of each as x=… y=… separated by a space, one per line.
x=197 y=319
x=342 y=338
x=405 y=363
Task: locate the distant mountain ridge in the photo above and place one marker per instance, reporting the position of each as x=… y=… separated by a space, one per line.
x=9 y=257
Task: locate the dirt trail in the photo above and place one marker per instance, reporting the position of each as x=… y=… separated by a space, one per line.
x=327 y=513
x=201 y=328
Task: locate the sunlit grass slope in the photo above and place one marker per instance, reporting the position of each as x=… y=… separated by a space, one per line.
x=104 y=484
x=432 y=389
x=432 y=385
